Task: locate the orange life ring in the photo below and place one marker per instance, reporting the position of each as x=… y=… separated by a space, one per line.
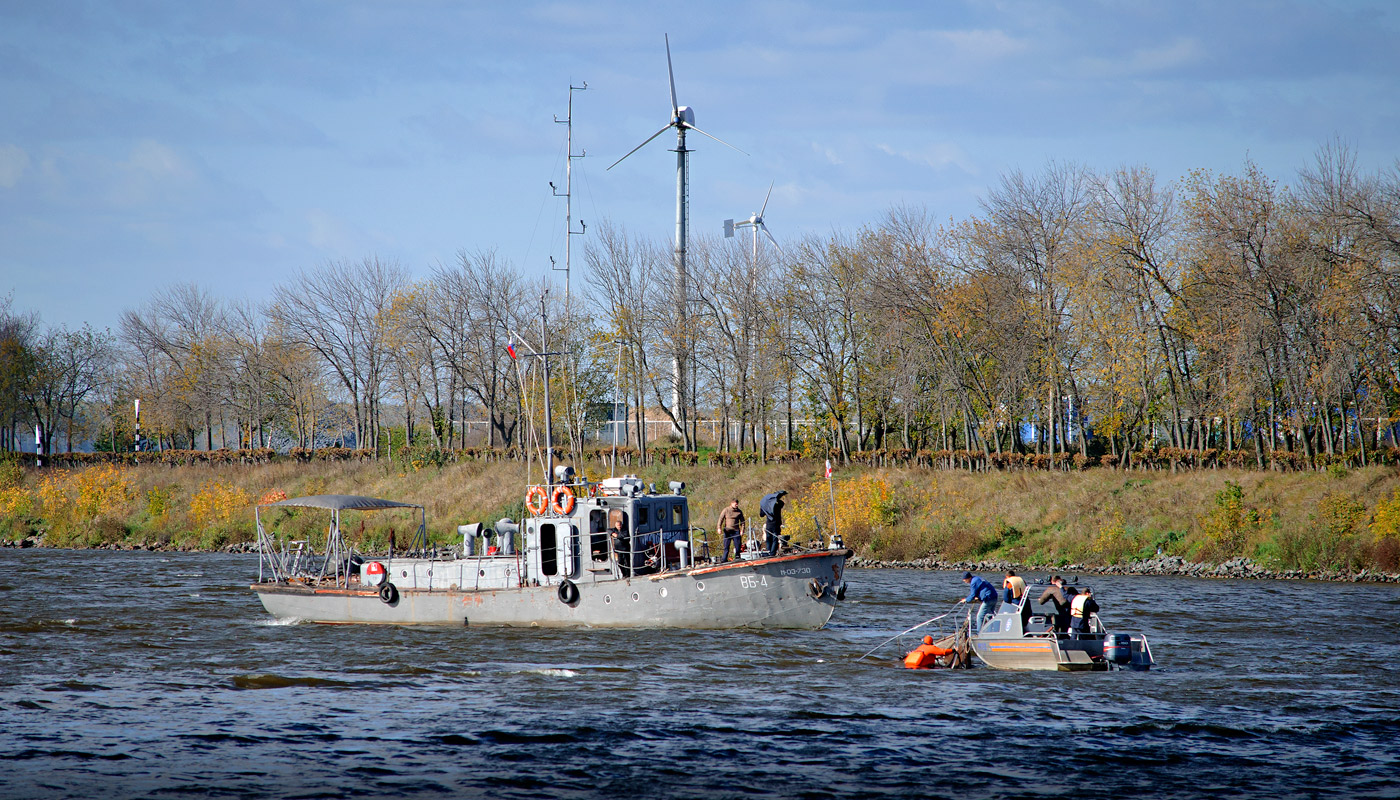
x=562 y=501
x=536 y=501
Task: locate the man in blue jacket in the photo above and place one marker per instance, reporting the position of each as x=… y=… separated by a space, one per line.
x=979 y=589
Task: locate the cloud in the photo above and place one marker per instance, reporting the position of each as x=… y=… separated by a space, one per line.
x=939 y=155
x=13 y=162
x=1182 y=52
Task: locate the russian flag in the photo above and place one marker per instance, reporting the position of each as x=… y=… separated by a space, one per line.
x=828 y=469
x=510 y=348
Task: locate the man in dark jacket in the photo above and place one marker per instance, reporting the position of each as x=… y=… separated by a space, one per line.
x=771 y=507
x=983 y=590
x=1056 y=592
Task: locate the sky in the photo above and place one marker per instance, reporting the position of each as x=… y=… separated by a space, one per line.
x=233 y=144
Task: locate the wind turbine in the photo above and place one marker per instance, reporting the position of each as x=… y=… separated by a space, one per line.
x=756 y=223
x=682 y=119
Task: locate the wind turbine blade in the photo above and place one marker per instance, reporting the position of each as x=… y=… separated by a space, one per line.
x=716 y=138
x=765 y=201
x=764 y=228
x=639 y=147
x=670 y=73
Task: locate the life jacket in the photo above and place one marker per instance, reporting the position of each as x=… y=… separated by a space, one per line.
x=926 y=655
x=1016 y=584
x=1076 y=606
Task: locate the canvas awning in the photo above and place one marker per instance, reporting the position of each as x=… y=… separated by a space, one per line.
x=341 y=502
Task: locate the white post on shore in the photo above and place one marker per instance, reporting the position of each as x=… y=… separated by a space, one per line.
x=832 y=490
x=138 y=425
x=38 y=445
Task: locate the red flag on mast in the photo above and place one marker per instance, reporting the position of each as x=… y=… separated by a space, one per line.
x=828 y=469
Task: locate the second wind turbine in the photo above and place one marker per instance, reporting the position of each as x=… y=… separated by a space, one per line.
x=682 y=119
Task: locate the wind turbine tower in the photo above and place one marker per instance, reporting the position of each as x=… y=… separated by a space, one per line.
x=682 y=119
x=756 y=223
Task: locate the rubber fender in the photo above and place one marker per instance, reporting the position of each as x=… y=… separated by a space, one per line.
x=389 y=593
x=568 y=592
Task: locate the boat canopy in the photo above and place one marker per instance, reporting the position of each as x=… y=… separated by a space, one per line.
x=341 y=502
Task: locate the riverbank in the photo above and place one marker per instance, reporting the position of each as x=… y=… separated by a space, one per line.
x=1225 y=523
x=1164 y=566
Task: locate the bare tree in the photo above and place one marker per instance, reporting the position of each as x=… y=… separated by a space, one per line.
x=341 y=311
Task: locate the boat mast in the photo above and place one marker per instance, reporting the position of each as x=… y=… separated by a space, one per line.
x=548 y=418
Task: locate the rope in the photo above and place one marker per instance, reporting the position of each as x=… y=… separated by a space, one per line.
x=916 y=627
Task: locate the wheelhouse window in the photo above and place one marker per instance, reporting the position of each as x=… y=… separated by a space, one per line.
x=643 y=516
x=677 y=515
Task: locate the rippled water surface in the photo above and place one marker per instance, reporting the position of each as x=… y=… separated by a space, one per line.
x=159 y=675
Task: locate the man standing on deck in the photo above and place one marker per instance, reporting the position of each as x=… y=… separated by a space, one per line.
x=1056 y=592
x=771 y=507
x=1014 y=586
x=1079 y=610
x=731 y=523
x=979 y=589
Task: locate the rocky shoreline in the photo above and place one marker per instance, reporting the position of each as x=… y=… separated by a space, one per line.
x=1171 y=566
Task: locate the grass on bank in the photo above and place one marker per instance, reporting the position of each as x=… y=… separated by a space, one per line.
x=1339 y=519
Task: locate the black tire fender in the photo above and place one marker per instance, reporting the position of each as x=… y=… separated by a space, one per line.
x=568 y=592
x=841 y=591
x=389 y=593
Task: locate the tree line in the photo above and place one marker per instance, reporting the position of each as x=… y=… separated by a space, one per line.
x=1098 y=314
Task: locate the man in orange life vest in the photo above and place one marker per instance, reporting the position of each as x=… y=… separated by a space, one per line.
x=1079 y=610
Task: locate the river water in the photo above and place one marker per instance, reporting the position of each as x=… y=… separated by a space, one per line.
x=159 y=675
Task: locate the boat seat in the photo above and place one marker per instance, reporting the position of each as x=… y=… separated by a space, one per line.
x=1038 y=625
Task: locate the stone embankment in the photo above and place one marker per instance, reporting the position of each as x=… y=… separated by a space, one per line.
x=38 y=541
x=1174 y=566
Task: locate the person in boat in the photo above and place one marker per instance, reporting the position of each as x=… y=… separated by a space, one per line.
x=1079 y=610
x=983 y=590
x=1014 y=586
x=771 y=508
x=621 y=542
x=1055 y=592
x=731 y=525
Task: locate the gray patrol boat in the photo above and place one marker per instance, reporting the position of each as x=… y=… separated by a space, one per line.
x=615 y=553
x=603 y=555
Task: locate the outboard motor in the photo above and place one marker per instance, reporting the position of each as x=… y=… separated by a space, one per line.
x=1118 y=648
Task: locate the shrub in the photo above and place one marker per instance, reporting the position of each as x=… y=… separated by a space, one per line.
x=863 y=504
x=1386 y=524
x=11 y=475
x=1230 y=524
x=216 y=504
x=158 y=503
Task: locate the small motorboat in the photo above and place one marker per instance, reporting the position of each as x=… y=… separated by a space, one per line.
x=1021 y=637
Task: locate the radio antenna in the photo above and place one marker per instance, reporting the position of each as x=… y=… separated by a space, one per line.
x=567 y=194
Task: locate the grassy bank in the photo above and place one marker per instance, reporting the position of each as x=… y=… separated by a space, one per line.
x=1340 y=519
